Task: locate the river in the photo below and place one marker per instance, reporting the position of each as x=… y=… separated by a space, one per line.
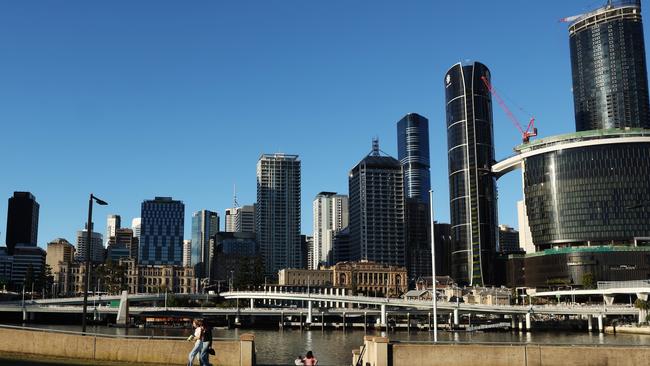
x=334 y=347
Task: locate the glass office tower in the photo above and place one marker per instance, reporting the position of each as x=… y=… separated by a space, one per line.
x=610 y=82
x=472 y=189
x=22 y=221
x=161 y=237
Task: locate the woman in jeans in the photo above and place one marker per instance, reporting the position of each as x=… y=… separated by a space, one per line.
x=199 y=344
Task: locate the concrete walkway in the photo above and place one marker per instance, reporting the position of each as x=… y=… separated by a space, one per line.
x=35 y=360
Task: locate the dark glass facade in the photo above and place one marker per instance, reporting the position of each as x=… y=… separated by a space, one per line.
x=589 y=194
x=472 y=188
x=161 y=235
x=571 y=266
x=22 y=221
x=413 y=154
x=377 y=213
x=610 y=82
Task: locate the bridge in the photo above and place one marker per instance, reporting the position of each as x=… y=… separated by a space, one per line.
x=455 y=308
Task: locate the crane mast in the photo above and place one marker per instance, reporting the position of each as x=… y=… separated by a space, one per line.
x=530 y=129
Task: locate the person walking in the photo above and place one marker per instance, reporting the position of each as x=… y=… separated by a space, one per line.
x=196 y=337
x=206 y=346
x=309 y=359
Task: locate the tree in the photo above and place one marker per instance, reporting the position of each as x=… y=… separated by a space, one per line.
x=588 y=280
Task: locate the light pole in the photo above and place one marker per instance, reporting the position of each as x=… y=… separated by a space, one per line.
x=88 y=247
x=433 y=269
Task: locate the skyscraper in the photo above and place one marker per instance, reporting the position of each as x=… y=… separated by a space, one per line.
x=413 y=154
x=205 y=224
x=472 y=189
x=187 y=253
x=122 y=245
x=376 y=214
x=240 y=219
x=610 y=81
x=113 y=222
x=22 y=221
x=277 y=213
x=136 y=226
x=96 y=249
x=161 y=237
x=330 y=216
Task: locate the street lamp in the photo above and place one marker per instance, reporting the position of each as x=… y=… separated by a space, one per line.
x=88 y=247
x=433 y=270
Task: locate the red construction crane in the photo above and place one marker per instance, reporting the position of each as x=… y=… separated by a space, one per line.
x=530 y=130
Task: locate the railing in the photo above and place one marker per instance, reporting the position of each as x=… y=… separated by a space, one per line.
x=604 y=285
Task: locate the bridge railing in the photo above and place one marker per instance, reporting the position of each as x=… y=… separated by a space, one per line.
x=604 y=285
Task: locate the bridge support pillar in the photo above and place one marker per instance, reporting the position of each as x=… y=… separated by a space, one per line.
x=590 y=319
x=527 y=322
x=383 y=315
x=520 y=320
x=24 y=314
x=609 y=299
x=309 y=312
x=513 y=321
x=123 y=311
x=252 y=303
x=456 y=317
x=600 y=323
x=642 y=295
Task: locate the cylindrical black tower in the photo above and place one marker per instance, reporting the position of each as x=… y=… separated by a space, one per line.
x=610 y=82
x=472 y=189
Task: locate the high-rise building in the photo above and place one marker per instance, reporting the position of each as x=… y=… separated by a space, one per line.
x=161 y=237
x=205 y=224
x=610 y=81
x=245 y=219
x=136 y=226
x=508 y=240
x=113 y=222
x=229 y=219
x=413 y=154
x=59 y=251
x=341 y=246
x=22 y=221
x=240 y=219
x=277 y=214
x=96 y=246
x=187 y=253
x=122 y=245
x=330 y=216
x=377 y=217
x=472 y=187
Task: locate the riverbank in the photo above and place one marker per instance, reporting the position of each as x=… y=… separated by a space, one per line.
x=628 y=329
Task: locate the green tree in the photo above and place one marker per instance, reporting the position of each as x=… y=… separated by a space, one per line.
x=588 y=281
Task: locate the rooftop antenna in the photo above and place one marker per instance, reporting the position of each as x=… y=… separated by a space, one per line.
x=235 y=204
x=375 y=147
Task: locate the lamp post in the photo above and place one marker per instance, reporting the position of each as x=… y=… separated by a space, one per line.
x=433 y=269
x=88 y=247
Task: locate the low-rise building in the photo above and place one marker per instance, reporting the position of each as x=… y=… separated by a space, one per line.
x=158 y=278
x=369 y=278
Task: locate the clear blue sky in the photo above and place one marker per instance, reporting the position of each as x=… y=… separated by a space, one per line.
x=136 y=99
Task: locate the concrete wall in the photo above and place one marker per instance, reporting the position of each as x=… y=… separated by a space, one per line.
x=168 y=352
x=380 y=352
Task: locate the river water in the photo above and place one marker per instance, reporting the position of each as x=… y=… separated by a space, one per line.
x=334 y=347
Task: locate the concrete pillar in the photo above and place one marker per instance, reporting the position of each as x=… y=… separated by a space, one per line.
x=521 y=322
x=252 y=304
x=24 y=314
x=589 y=321
x=309 y=312
x=456 y=317
x=383 y=314
x=527 y=322
x=247 y=349
x=344 y=321
x=381 y=351
x=123 y=311
x=600 y=323
x=513 y=322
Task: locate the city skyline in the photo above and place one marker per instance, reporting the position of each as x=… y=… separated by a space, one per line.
x=162 y=96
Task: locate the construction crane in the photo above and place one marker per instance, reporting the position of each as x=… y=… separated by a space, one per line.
x=530 y=129
x=574 y=17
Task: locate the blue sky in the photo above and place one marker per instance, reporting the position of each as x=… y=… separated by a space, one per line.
x=136 y=99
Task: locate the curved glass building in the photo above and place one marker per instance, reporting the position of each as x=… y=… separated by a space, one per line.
x=610 y=82
x=472 y=189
